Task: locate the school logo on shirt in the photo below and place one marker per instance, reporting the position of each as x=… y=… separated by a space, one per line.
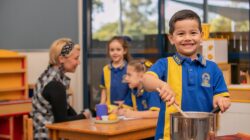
x=177 y=59
x=205 y=80
x=144 y=104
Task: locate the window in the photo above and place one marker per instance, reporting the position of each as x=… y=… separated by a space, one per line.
x=133 y=18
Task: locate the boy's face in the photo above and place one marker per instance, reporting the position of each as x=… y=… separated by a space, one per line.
x=186 y=37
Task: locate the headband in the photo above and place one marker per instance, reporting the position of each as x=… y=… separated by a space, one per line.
x=66 y=49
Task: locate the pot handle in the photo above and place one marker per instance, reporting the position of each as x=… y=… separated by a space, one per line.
x=216 y=110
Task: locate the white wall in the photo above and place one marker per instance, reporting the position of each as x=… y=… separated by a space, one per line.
x=235 y=120
x=37 y=62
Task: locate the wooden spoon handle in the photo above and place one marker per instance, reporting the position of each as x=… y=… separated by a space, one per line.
x=179 y=109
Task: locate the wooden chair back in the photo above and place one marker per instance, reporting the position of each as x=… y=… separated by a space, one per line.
x=27 y=128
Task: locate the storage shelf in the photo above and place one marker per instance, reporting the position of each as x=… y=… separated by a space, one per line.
x=12 y=71
x=11 y=57
x=12 y=89
x=13 y=94
x=4 y=136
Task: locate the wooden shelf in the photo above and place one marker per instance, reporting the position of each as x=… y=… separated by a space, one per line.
x=12 y=71
x=239 y=93
x=14 y=100
x=8 y=108
x=12 y=89
x=4 y=136
x=13 y=76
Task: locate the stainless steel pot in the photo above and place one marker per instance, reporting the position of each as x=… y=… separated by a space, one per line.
x=198 y=126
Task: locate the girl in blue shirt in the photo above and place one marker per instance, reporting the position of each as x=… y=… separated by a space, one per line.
x=139 y=103
x=113 y=89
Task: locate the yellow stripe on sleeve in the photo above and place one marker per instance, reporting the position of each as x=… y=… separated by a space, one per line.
x=152 y=73
x=154 y=109
x=224 y=94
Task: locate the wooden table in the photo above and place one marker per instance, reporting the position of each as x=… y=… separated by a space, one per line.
x=238 y=136
x=89 y=130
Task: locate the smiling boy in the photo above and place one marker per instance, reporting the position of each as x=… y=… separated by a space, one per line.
x=186 y=78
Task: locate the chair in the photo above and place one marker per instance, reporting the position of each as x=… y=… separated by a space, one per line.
x=27 y=128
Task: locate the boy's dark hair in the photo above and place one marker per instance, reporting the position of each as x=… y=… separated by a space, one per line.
x=182 y=15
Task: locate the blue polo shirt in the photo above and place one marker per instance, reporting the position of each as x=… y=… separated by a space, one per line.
x=118 y=89
x=194 y=82
x=144 y=100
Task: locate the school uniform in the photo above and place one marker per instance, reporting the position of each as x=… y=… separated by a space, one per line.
x=194 y=82
x=112 y=81
x=141 y=100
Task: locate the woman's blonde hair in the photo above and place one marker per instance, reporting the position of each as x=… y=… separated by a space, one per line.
x=56 y=49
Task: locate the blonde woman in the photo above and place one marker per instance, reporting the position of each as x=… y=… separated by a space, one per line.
x=49 y=103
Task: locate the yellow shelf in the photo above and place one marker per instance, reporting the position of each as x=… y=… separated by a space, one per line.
x=12 y=71
x=239 y=93
x=15 y=107
x=12 y=89
x=13 y=76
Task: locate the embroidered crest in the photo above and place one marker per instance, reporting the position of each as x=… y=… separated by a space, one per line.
x=144 y=104
x=177 y=59
x=205 y=80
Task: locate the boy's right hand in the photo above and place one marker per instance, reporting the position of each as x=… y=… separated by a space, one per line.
x=167 y=94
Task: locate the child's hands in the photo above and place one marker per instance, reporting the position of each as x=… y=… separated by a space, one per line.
x=167 y=94
x=130 y=113
x=127 y=113
x=223 y=102
x=121 y=112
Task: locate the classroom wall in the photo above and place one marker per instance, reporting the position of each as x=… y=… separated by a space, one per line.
x=34 y=24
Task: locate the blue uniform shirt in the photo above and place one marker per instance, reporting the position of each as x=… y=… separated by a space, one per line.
x=144 y=100
x=118 y=89
x=194 y=82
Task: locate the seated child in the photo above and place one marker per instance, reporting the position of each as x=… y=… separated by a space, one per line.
x=139 y=103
